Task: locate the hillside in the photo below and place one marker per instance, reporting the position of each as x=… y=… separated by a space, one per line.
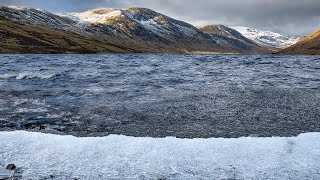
x=119 y=30
x=309 y=45
x=22 y=38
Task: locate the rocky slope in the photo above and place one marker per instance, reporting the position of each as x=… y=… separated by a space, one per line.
x=267 y=38
x=132 y=29
x=309 y=45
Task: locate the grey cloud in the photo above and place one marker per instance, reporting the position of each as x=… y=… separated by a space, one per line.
x=292 y=17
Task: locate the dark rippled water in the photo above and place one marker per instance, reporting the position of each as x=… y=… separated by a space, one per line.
x=161 y=95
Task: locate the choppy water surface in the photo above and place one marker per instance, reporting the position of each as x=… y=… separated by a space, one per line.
x=161 y=95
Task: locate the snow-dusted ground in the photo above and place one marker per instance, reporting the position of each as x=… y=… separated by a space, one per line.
x=41 y=156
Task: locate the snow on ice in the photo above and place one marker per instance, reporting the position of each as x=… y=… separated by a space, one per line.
x=41 y=156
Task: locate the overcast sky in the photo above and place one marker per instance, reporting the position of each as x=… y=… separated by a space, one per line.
x=290 y=17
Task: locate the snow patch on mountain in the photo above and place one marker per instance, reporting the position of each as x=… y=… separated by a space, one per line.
x=267 y=38
x=154 y=26
x=93 y=16
x=148 y=22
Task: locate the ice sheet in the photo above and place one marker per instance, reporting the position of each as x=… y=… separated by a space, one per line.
x=120 y=157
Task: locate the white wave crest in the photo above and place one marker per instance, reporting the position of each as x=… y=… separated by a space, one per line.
x=29 y=75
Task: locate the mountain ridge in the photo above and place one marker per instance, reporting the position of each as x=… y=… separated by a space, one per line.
x=135 y=30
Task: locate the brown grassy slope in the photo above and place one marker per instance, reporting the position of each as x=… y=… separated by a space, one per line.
x=309 y=45
x=16 y=37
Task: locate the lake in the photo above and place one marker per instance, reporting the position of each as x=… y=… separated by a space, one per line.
x=153 y=95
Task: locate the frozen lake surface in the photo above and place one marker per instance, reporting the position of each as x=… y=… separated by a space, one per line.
x=45 y=156
x=185 y=96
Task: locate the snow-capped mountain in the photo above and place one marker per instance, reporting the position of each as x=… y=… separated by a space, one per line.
x=267 y=38
x=132 y=29
x=138 y=22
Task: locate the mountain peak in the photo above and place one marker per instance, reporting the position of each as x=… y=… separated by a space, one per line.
x=110 y=15
x=102 y=11
x=99 y=16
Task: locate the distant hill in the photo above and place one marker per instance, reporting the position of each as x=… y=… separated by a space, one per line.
x=267 y=38
x=224 y=34
x=111 y=30
x=222 y=30
x=309 y=45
